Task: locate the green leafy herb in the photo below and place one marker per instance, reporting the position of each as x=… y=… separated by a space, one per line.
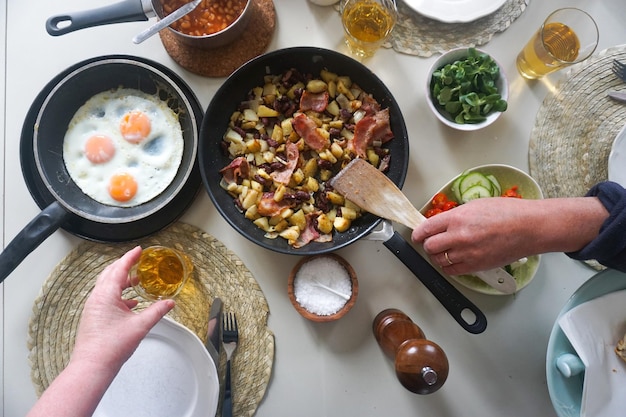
x=467 y=88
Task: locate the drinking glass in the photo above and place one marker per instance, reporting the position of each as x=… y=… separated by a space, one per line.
x=367 y=24
x=566 y=37
x=160 y=273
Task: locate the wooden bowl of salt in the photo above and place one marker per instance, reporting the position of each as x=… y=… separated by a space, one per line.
x=323 y=287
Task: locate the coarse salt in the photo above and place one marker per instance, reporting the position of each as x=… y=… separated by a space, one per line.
x=326 y=271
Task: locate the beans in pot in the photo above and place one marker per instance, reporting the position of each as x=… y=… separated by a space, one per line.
x=211 y=16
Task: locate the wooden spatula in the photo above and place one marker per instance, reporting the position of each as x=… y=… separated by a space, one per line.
x=370 y=189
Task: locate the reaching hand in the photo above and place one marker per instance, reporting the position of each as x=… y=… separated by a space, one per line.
x=109 y=332
x=491 y=232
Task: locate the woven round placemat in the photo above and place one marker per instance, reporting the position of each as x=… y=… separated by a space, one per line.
x=575 y=127
x=418 y=35
x=217 y=273
x=223 y=61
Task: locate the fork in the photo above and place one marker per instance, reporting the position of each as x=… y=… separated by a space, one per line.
x=619 y=69
x=230 y=338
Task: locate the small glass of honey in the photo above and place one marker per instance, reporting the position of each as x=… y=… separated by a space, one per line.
x=160 y=273
x=367 y=24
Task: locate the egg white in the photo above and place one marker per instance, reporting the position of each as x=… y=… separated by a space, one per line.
x=153 y=162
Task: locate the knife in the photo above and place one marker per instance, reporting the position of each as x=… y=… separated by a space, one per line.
x=618 y=96
x=214 y=331
x=166 y=21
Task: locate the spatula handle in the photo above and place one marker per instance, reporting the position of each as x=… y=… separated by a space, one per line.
x=455 y=302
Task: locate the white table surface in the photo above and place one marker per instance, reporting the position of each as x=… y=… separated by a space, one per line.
x=337 y=368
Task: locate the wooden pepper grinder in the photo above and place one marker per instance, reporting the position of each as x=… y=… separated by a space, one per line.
x=421 y=365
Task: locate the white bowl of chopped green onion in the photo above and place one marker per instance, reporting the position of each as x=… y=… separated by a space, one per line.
x=467 y=89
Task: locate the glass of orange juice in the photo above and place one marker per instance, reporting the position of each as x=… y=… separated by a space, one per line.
x=367 y=24
x=566 y=37
x=160 y=273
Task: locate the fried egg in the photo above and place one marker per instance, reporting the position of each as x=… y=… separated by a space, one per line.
x=123 y=147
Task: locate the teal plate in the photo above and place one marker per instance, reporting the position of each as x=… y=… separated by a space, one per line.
x=566 y=393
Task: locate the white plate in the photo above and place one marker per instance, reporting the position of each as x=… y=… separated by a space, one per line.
x=170 y=374
x=617 y=159
x=454 y=11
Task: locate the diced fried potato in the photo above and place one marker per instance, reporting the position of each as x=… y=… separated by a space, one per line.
x=335 y=198
x=291 y=233
x=292 y=91
x=298 y=219
x=344 y=89
x=311 y=184
x=262 y=223
x=351 y=205
x=316 y=86
x=348 y=213
x=373 y=157
x=279 y=194
x=328 y=76
x=336 y=150
x=310 y=168
x=269 y=89
x=324 y=224
x=297 y=177
x=333 y=108
x=250 y=199
x=250 y=115
x=253 y=145
x=278 y=135
x=287 y=127
x=332 y=89
x=341 y=224
x=265 y=111
x=325 y=174
x=252 y=213
x=281 y=225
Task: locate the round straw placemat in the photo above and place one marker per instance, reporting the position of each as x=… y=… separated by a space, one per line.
x=217 y=273
x=419 y=35
x=224 y=60
x=575 y=127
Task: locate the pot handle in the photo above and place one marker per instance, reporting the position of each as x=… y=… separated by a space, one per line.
x=455 y=302
x=121 y=12
x=31 y=236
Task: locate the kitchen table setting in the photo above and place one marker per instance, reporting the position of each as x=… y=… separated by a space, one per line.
x=481 y=347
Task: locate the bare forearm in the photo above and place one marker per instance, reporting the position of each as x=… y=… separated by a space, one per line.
x=565 y=224
x=76 y=392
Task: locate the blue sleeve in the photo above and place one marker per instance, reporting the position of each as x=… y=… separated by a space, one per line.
x=609 y=248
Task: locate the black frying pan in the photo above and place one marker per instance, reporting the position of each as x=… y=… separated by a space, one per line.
x=234 y=90
x=63 y=203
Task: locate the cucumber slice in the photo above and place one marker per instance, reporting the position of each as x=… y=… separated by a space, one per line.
x=472 y=179
x=455 y=186
x=497 y=192
x=476 y=191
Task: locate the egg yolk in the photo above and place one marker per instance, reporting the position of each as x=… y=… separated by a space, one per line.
x=135 y=126
x=99 y=149
x=122 y=187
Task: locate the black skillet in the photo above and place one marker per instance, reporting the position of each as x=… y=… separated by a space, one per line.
x=63 y=204
x=234 y=90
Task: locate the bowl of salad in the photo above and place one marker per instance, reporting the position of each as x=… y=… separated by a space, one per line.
x=467 y=89
x=492 y=180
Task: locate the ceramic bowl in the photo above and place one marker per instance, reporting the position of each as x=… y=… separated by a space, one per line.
x=508 y=177
x=319 y=295
x=445 y=117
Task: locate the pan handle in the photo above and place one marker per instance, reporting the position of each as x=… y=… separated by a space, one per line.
x=121 y=12
x=31 y=236
x=446 y=293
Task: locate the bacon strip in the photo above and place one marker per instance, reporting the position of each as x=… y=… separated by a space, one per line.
x=370 y=129
x=293 y=155
x=309 y=233
x=314 y=101
x=306 y=128
x=270 y=208
x=238 y=169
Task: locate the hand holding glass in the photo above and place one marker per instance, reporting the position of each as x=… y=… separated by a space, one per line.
x=160 y=273
x=566 y=37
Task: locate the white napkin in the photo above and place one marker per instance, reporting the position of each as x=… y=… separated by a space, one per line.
x=593 y=328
